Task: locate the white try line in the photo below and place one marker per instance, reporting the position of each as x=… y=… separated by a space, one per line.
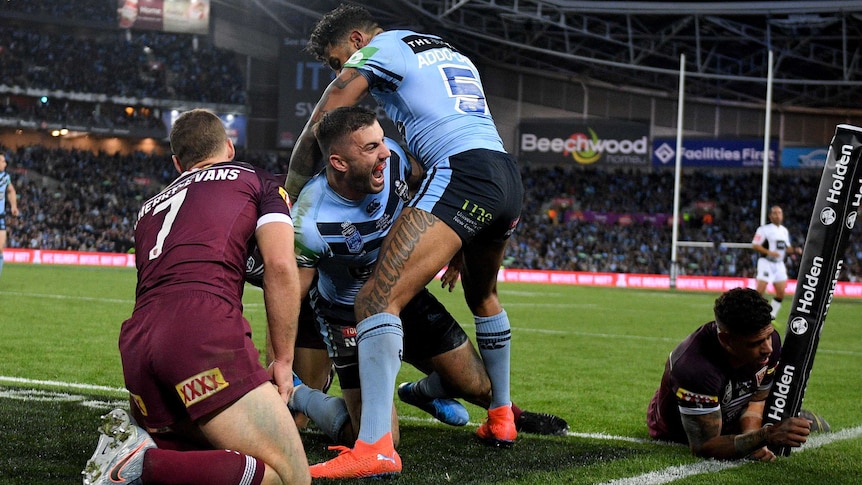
x=673 y=473
x=61 y=385
x=31 y=395
x=658 y=477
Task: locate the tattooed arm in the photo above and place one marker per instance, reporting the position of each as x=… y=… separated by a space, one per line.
x=705 y=438
x=752 y=420
x=348 y=89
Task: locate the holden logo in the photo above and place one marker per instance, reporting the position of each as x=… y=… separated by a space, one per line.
x=851 y=220
x=799 y=326
x=827 y=216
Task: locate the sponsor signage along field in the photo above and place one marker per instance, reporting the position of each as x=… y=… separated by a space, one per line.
x=583 y=142
x=581 y=278
x=721 y=153
x=804 y=157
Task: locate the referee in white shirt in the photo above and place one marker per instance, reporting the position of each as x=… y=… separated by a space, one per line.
x=772 y=242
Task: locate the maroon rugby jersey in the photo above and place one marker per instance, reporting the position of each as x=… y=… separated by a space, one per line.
x=195 y=234
x=697 y=379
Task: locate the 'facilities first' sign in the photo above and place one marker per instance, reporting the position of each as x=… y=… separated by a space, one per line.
x=713 y=153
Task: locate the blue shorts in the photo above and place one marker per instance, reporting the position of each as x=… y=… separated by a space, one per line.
x=2 y=223
x=478 y=193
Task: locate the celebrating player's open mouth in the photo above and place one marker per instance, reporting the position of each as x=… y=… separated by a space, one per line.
x=377 y=173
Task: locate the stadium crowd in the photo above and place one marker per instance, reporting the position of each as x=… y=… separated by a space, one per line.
x=716 y=207
x=98 y=11
x=132 y=66
x=126 y=64
x=82 y=201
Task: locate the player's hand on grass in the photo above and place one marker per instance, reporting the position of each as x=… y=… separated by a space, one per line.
x=762 y=454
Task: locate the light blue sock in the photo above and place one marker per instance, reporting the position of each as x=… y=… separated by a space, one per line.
x=431 y=386
x=329 y=413
x=380 y=344
x=1 y=262
x=494 y=339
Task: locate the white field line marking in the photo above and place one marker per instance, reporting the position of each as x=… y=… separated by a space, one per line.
x=69 y=297
x=610 y=437
x=31 y=395
x=672 y=473
x=652 y=478
x=62 y=385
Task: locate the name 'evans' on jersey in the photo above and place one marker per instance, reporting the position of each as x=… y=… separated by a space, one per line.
x=431 y=50
x=206 y=175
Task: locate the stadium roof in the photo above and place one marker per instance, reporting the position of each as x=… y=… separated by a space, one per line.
x=816 y=45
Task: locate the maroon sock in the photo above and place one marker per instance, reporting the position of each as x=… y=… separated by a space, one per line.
x=211 y=467
x=516 y=411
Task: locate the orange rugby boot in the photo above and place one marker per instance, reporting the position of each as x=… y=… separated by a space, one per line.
x=365 y=460
x=499 y=429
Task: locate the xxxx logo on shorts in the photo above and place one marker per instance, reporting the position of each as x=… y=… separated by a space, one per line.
x=201 y=386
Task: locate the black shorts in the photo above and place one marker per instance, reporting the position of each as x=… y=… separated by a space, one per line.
x=429 y=330
x=307 y=334
x=478 y=193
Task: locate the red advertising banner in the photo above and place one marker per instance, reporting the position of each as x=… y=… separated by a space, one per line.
x=619 y=280
x=77 y=258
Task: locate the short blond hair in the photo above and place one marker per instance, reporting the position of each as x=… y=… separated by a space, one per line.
x=197 y=135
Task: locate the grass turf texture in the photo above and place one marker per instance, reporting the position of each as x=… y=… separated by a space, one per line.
x=591 y=355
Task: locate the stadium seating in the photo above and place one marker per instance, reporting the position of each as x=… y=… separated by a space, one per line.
x=77 y=200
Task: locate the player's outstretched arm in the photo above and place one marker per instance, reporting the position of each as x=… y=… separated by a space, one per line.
x=705 y=438
x=348 y=89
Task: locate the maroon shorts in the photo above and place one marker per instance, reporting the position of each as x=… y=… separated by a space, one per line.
x=186 y=355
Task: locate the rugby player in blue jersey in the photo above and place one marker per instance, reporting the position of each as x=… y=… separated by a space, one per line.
x=467 y=206
x=341 y=217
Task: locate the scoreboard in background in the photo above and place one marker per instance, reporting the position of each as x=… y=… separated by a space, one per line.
x=181 y=16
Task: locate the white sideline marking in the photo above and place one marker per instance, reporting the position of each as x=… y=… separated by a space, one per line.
x=658 y=477
x=62 y=385
x=672 y=473
x=610 y=437
x=69 y=297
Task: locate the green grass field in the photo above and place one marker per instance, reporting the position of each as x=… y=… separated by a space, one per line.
x=593 y=356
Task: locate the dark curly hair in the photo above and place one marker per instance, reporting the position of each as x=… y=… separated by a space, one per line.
x=339 y=123
x=336 y=24
x=742 y=311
